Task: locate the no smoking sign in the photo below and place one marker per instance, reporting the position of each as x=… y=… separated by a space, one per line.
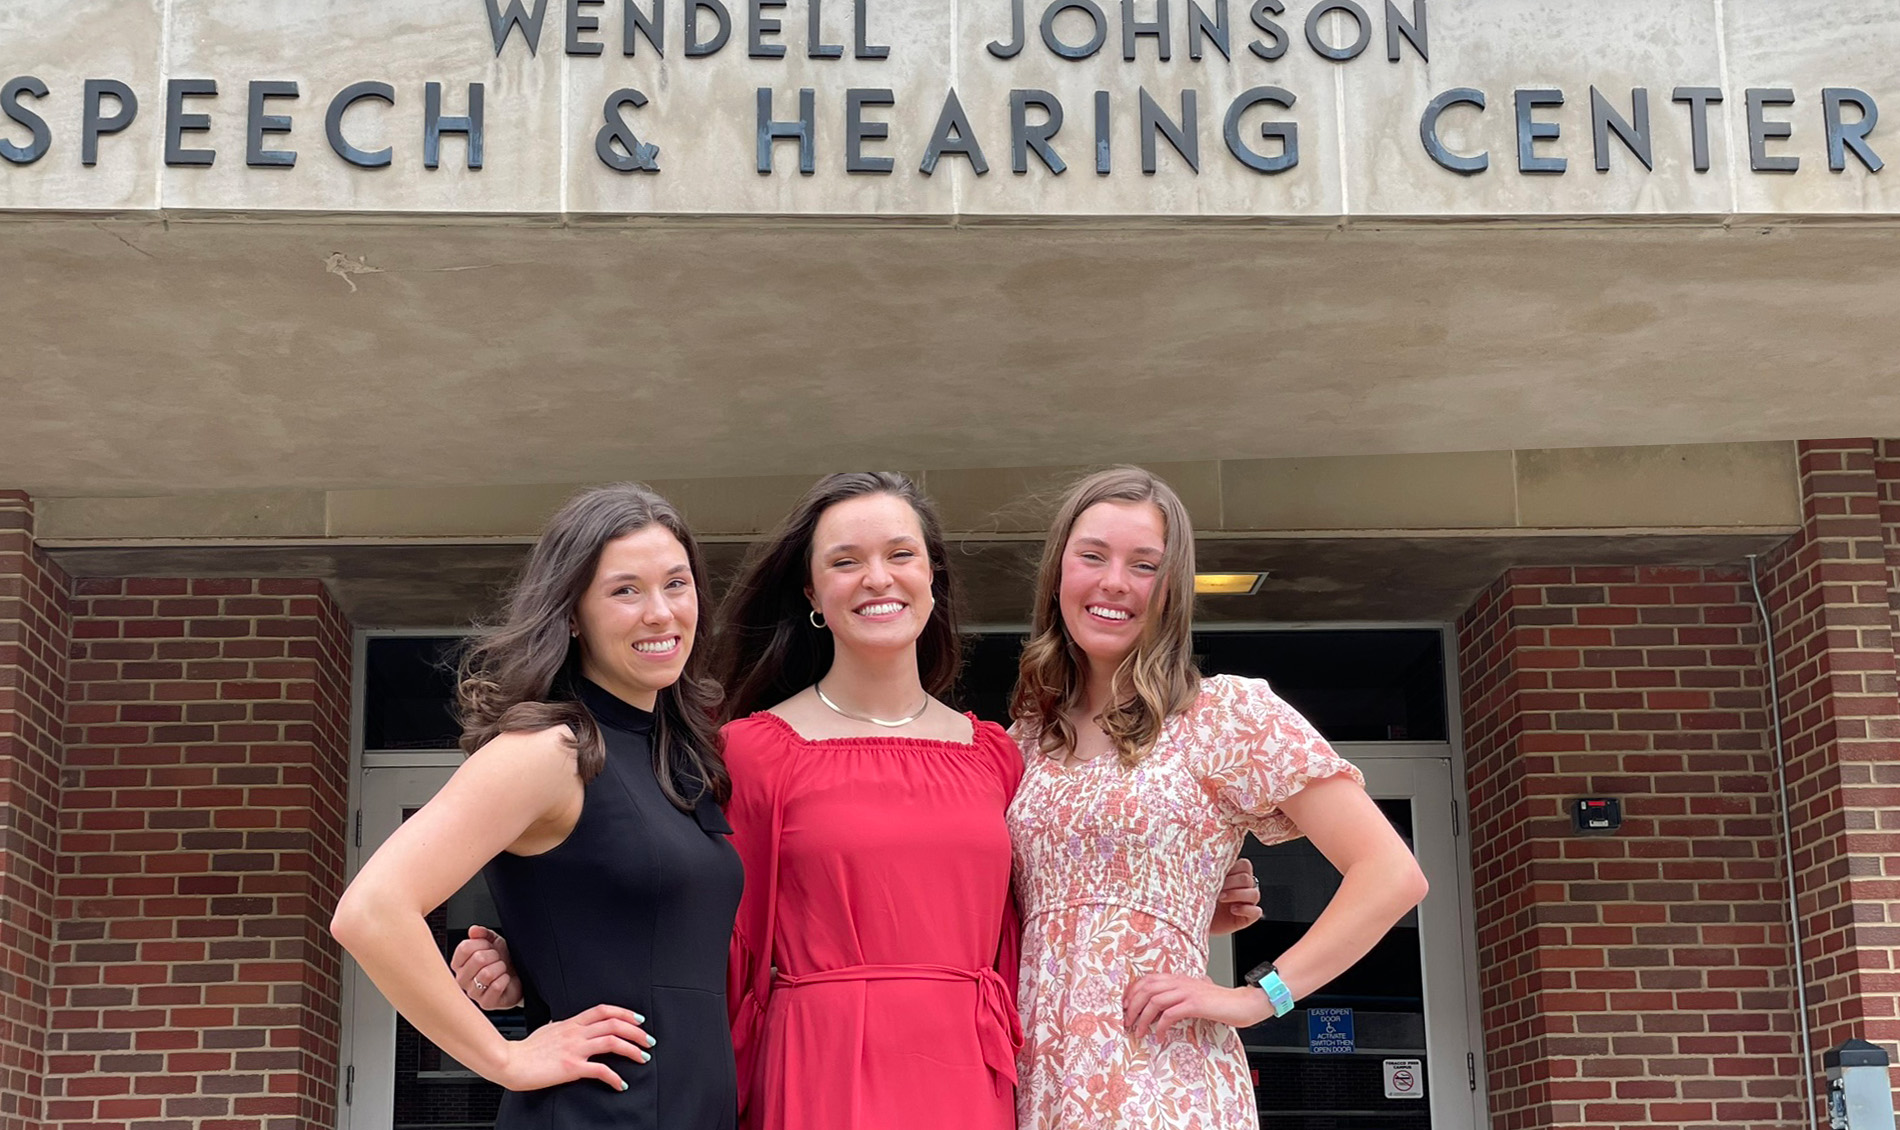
x=1404 y=1079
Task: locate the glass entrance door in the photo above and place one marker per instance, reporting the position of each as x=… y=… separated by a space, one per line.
x=395 y=1079
x=1386 y=1045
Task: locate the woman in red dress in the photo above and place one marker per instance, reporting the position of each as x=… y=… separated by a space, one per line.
x=874 y=961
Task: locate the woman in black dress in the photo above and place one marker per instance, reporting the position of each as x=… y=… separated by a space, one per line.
x=590 y=800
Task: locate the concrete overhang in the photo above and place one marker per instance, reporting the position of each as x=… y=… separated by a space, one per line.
x=1409 y=537
x=162 y=357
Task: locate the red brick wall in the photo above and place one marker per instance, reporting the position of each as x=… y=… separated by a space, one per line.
x=201 y=854
x=1640 y=979
x=34 y=618
x=1828 y=591
x=1887 y=474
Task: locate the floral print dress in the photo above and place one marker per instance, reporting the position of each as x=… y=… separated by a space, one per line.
x=1117 y=871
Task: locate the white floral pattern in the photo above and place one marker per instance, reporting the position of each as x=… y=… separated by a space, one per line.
x=1117 y=871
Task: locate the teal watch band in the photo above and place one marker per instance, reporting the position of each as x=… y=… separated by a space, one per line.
x=1267 y=979
x=1278 y=994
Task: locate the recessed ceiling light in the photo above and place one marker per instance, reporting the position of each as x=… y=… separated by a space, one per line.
x=1228 y=584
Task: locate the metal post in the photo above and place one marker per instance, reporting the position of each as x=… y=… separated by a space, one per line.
x=1859 y=1096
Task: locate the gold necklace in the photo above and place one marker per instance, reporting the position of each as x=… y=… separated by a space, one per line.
x=904 y=721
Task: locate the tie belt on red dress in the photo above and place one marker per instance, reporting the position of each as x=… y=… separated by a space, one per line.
x=999 y=1032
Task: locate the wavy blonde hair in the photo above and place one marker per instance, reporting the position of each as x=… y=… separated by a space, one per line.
x=1158 y=678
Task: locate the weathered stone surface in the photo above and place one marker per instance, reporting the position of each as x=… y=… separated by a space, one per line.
x=1355 y=121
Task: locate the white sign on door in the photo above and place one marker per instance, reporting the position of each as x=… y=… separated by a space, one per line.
x=1404 y=1079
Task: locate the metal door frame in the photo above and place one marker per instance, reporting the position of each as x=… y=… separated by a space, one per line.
x=1422 y=773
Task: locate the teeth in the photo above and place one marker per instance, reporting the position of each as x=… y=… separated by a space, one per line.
x=657 y=647
x=884 y=609
x=1108 y=613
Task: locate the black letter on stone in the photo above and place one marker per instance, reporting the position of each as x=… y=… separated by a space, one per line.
x=333 y=123
x=1842 y=136
x=1133 y=30
x=635 y=23
x=1360 y=20
x=815 y=46
x=434 y=125
x=862 y=47
x=857 y=131
x=1101 y=133
x=803 y=130
x=501 y=23
x=1760 y=132
x=10 y=106
x=1023 y=137
x=634 y=155
x=1287 y=133
x=1699 y=99
x=1184 y=136
x=1015 y=46
x=1261 y=10
x=1428 y=132
x=953 y=135
x=1530 y=132
x=695 y=48
x=1634 y=134
x=577 y=23
x=758 y=27
x=92 y=125
x=258 y=123
x=1067 y=52
x=178 y=123
x=1201 y=29
x=1413 y=30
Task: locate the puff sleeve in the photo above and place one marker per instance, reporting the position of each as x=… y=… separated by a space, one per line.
x=1258 y=751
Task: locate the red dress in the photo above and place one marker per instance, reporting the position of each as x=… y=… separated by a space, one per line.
x=873 y=967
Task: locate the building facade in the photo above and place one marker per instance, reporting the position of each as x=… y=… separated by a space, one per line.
x=1501 y=337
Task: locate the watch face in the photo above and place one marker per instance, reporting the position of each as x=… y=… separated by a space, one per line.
x=1257 y=972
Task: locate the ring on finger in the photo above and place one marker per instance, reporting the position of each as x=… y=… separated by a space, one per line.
x=479 y=987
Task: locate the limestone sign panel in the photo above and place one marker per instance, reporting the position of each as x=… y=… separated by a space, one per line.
x=1293 y=110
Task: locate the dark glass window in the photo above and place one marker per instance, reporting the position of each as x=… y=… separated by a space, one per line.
x=409 y=693
x=1354 y=685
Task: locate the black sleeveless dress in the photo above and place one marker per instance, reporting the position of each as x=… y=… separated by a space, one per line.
x=633 y=909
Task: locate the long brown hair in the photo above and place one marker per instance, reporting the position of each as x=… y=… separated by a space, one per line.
x=520 y=674
x=768 y=648
x=1158 y=678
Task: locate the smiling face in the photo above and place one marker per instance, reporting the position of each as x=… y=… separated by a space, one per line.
x=638 y=615
x=1110 y=566
x=870 y=573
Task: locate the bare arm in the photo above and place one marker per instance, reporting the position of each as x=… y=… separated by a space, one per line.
x=520 y=791
x=1381 y=881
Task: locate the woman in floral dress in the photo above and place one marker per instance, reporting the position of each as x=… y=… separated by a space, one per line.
x=1142 y=780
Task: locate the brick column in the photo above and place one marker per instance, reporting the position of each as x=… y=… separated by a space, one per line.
x=1887 y=474
x=1829 y=593
x=35 y=616
x=202 y=852
x=1641 y=979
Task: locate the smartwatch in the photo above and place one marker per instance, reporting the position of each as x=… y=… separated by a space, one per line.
x=1266 y=978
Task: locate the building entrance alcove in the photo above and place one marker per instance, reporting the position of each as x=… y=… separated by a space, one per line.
x=1391 y=1045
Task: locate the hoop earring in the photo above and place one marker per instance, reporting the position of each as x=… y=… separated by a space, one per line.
x=817 y=618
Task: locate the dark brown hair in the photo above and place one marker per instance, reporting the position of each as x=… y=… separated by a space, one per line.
x=1158 y=678
x=768 y=649
x=520 y=674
